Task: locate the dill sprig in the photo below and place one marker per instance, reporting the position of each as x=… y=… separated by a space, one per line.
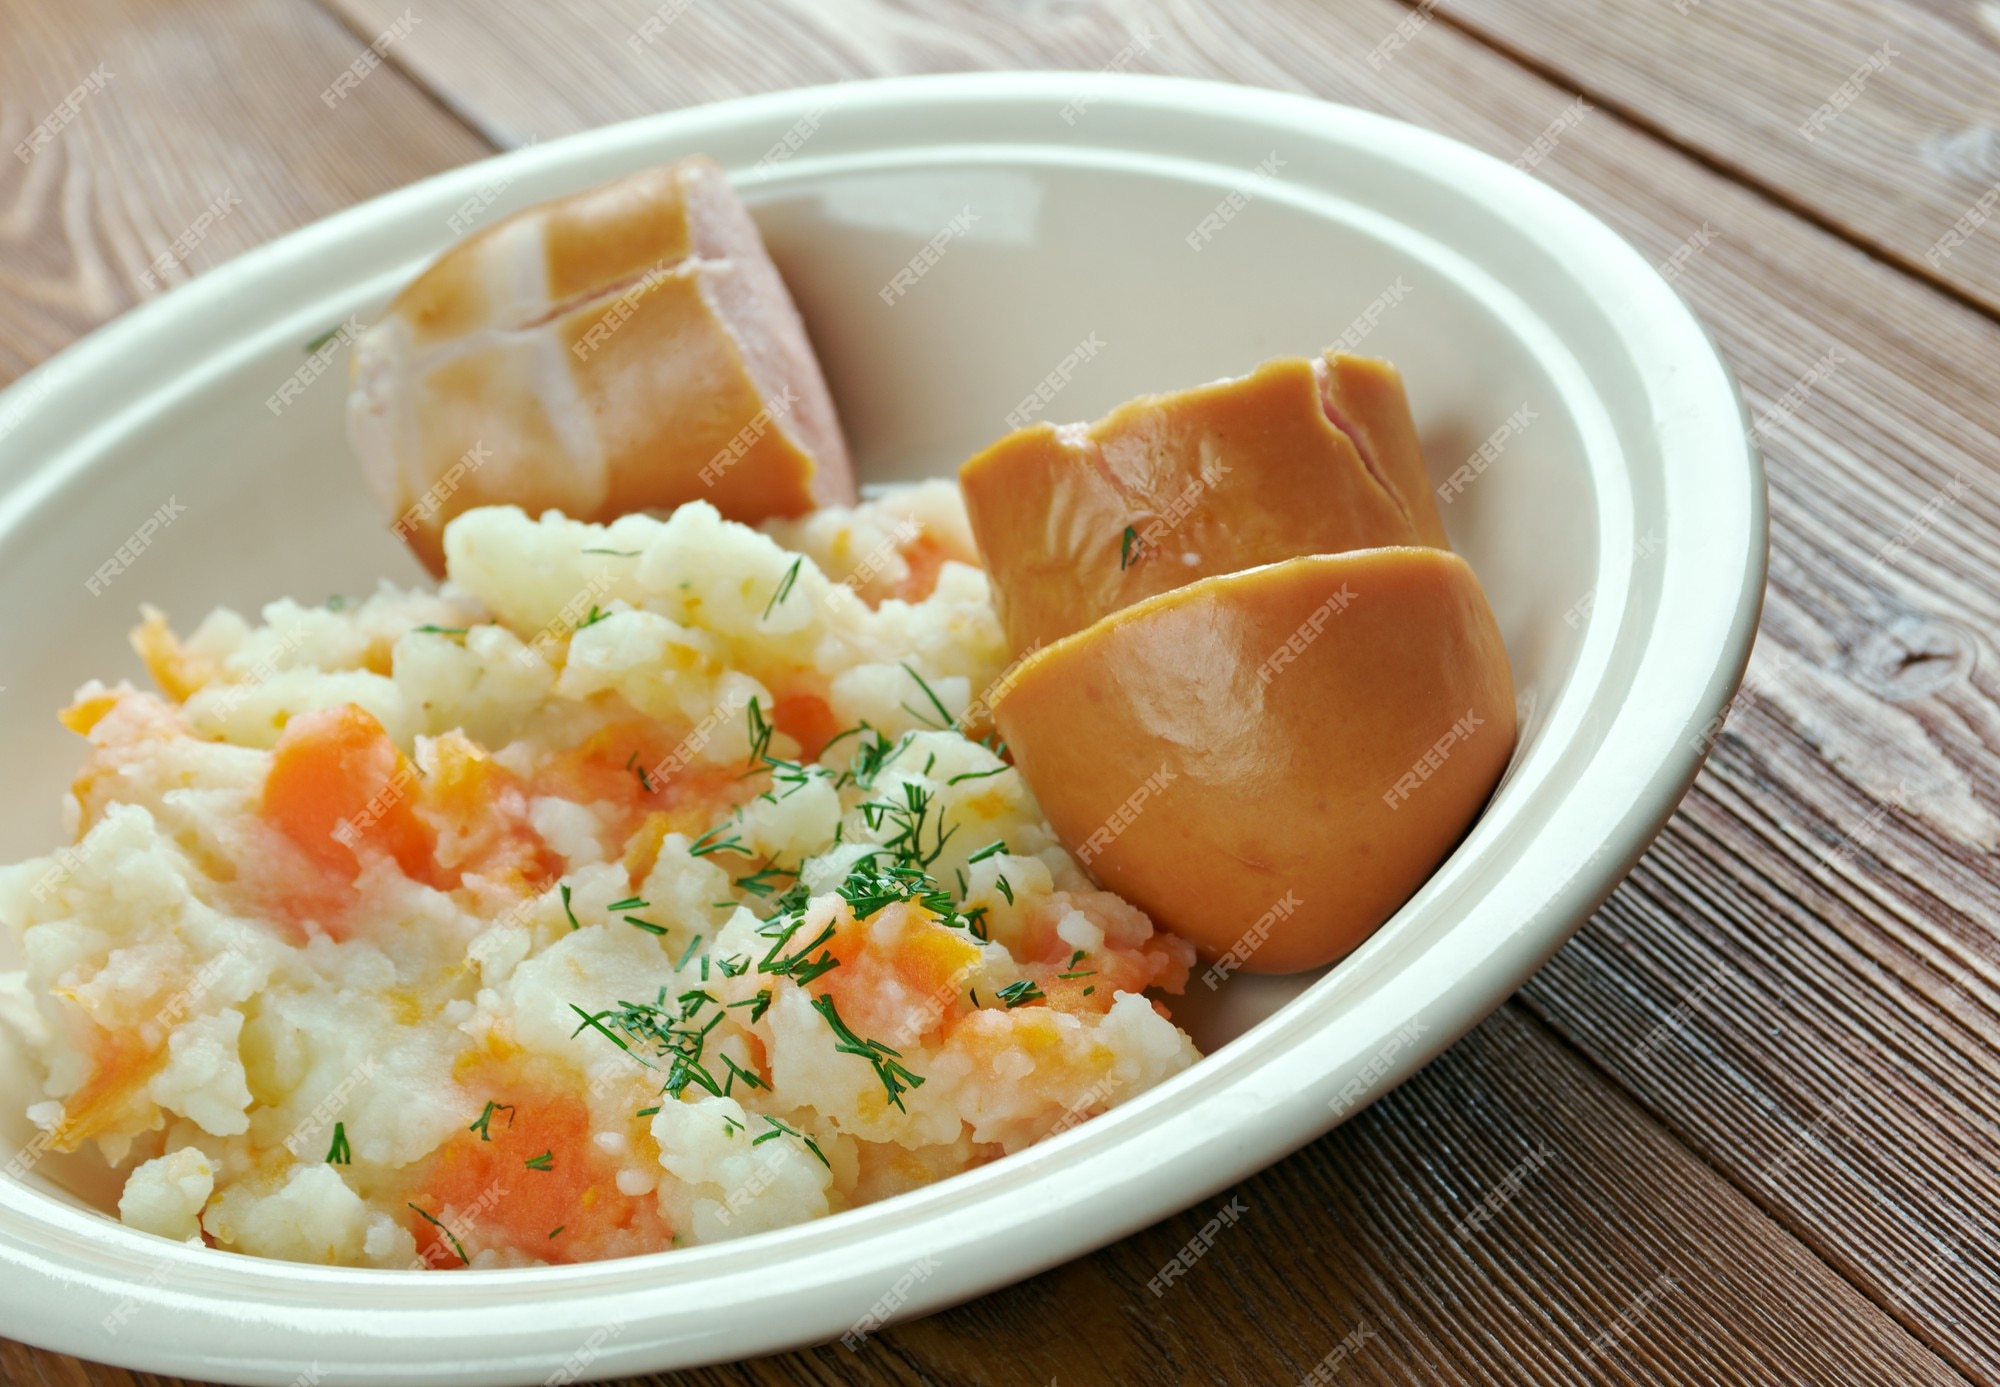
x=896 y=1080
x=709 y=843
x=665 y=1031
x=779 y=1129
x=481 y=1124
x=784 y=587
x=456 y=1246
x=1020 y=993
x=945 y=718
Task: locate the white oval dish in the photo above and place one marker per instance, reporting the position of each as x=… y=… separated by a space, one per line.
x=1116 y=235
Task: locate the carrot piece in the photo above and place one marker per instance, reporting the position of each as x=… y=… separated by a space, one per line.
x=341 y=790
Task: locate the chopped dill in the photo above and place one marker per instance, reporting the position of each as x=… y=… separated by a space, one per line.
x=545 y=1161
x=481 y=1124
x=737 y=1071
x=708 y=843
x=597 y=614
x=615 y=553
x=944 y=714
x=430 y=630
x=896 y=1080
x=629 y=903
x=978 y=775
x=566 y=910
x=1125 y=548
x=1020 y=993
x=340 y=1153
x=784 y=587
x=646 y=925
x=778 y=1128
x=992 y=849
x=456 y=1246
x=1006 y=888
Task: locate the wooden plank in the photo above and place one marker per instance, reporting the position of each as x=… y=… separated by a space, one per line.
x=199 y=108
x=1880 y=117
x=1611 y=1256
x=1886 y=568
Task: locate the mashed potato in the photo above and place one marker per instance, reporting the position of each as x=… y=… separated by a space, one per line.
x=647 y=885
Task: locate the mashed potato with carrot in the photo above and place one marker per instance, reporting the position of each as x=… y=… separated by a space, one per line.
x=649 y=884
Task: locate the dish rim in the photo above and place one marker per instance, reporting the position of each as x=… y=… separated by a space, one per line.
x=1264 y=1090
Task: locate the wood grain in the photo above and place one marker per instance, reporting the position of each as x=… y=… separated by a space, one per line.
x=1621 y=1259
x=1762 y=88
x=1874 y=974
x=204 y=104
x=1837 y=856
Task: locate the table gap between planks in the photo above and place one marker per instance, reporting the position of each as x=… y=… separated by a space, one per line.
x=1758 y=1089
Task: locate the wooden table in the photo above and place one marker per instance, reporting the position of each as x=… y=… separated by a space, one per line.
x=1756 y=1096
